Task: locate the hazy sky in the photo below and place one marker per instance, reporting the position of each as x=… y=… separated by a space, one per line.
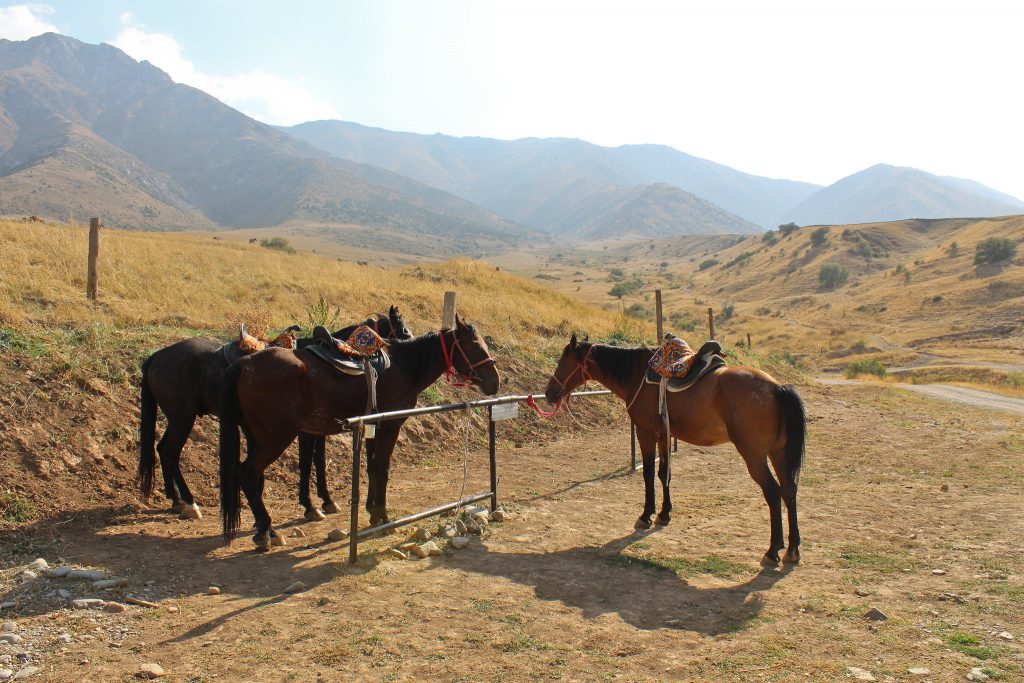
x=803 y=90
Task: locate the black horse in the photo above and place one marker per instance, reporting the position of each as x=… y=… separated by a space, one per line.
x=185 y=381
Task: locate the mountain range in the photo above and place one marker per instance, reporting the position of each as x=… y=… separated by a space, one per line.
x=87 y=130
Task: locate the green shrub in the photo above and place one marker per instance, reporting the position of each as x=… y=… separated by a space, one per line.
x=770 y=237
x=278 y=243
x=994 y=250
x=728 y=310
x=954 y=250
x=14 y=509
x=621 y=289
x=638 y=311
x=709 y=263
x=740 y=260
x=788 y=228
x=866 y=367
x=832 y=275
x=819 y=237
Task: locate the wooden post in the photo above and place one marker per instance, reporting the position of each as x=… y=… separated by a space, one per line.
x=353 y=522
x=748 y=340
x=711 y=322
x=94 y=254
x=491 y=448
x=448 y=312
x=657 y=312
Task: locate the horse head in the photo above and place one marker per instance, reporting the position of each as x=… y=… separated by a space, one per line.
x=571 y=371
x=474 y=361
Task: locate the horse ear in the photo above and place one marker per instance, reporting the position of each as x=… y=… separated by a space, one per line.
x=393 y=311
x=459 y=322
x=572 y=341
x=586 y=338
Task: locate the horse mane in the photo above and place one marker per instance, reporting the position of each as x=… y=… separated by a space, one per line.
x=416 y=354
x=619 y=364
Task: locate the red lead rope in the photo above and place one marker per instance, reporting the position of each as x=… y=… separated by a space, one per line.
x=563 y=402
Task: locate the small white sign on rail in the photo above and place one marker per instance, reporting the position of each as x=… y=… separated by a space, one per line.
x=504 y=411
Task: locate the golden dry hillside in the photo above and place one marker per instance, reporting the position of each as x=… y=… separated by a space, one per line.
x=909 y=295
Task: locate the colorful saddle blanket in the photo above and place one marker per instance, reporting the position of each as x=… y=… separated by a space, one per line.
x=363 y=345
x=248 y=344
x=705 y=360
x=673 y=359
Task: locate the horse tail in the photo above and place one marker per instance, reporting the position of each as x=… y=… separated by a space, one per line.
x=147 y=434
x=794 y=419
x=230 y=497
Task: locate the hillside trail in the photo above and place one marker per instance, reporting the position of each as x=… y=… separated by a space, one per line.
x=566 y=589
x=977 y=398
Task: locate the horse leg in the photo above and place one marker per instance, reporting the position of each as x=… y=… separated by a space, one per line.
x=378 y=466
x=320 y=462
x=665 y=475
x=169 y=448
x=648 y=449
x=307 y=452
x=760 y=473
x=251 y=481
x=789 y=487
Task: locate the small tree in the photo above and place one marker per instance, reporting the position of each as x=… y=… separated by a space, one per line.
x=819 y=237
x=954 y=250
x=994 y=250
x=709 y=263
x=832 y=275
x=786 y=229
x=278 y=243
x=619 y=290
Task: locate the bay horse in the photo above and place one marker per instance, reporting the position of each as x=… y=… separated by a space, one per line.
x=185 y=381
x=762 y=418
x=274 y=395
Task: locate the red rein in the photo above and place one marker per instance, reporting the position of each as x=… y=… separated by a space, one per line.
x=450 y=373
x=563 y=402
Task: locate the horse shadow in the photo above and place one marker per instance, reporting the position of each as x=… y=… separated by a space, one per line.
x=601 y=580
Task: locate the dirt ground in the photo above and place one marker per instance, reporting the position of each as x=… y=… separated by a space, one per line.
x=909 y=505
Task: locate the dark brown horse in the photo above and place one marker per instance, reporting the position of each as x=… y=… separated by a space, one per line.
x=762 y=418
x=185 y=381
x=274 y=395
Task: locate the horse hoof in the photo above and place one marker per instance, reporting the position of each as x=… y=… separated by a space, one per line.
x=178 y=507
x=314 y=515
x=642 y=523
x=792 y=556
x=277 y=540
x=262 y=542
x=662 y=520
x=769 y=561
x=191 y=512
x=331 y=508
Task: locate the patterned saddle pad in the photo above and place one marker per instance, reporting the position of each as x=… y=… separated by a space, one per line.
x=248 y=344
x=705 y=360
x=364 y=344
x=673 y=359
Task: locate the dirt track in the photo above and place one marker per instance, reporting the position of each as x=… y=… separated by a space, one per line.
x=566 y=590
x=977 y=398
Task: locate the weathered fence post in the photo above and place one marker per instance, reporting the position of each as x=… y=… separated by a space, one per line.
x=448 y=311
x=353 y=523
x=711 y=322
x=748 y=340
x=94 y=253
x=491 y=447
x=657 y=314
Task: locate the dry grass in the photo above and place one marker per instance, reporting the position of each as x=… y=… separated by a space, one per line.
x=187 y=282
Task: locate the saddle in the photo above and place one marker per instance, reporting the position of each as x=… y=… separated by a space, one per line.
x=669 y=365
x=247 y=344
x=364 y=349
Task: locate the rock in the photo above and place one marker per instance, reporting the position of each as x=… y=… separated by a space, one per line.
x=64 y=638
x=324 y=601
x=173 y=609
x=482 y=518
x=499 y=516
x=12 y=638
x=28 y=575
x=938 y=572
x=473 y=528
x=27 y=672
x=337 y=535
x=862 y=592
x=420 y=551
x=395 y=552
x=85 y=575
x=87 y=603
x=10 y=604
x=38 y=565
x=431 y=548
x=114 y=607
x=459 y=542
x=64 y=594
x=1005 y=635
x=295 y=587
x=875 y=614
x=58 y=572
x=407 y=547
x=6 y=674
x=298 y=533
x=977 y=674
x=460 y=527
x=859 y=673
x=150 y=671
x=9 y=627
x=945 y=487
x=919 y=671
x=952 y=597
x=5 y=659
x=105 y=584
x=447 y=531
x=213 y=590
x=422 y=535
